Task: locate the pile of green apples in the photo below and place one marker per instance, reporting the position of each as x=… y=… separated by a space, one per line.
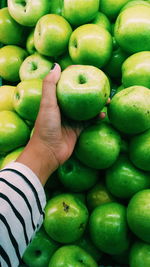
x=98 y=201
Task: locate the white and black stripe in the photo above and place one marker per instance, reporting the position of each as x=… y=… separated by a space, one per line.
x=22 y=202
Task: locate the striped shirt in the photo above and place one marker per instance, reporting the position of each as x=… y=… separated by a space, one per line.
x=22 y=203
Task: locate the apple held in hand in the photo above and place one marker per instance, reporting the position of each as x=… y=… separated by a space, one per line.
x=136 y=70
x=132 y=29
x=27 y=97
x=66 y=218
x=82 y=92
x=77 y=12
x=90 y=44
x=98 y=146
x=51 y=36
x=6 y=97
x=40 y=250
x=13 y=131
x=27 y=13
x=108 y=228
x=71 y=256
x=35 y=66
x=11 y=33
x=11 y=58
x=129 y=110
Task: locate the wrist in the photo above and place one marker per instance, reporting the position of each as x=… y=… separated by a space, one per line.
x=39 y=159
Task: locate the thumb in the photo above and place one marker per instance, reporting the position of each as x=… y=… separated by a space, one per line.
x=49 y=87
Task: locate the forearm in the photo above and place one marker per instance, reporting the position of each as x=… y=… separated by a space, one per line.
x=41 y=162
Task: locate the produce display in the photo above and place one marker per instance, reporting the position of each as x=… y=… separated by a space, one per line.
x=98 y=202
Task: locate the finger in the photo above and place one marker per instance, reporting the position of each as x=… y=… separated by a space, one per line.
x=108 y=101
x=49 y=98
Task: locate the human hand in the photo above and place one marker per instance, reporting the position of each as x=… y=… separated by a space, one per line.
x=53 y=140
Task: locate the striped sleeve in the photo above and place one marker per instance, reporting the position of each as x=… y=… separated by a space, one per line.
x=22 y=203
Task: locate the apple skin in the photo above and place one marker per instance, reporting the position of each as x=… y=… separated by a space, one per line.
x=136 y=70
x=98 y=146
x=11 y=33
x=75 y=11
x=6 y=97
x=76 y=176
x=65 y=61
x=30 y=43
x=27 y=98
x=81 y=50
x=13 y=131
x=139 y=254
x=35 y=66
x=138 y=215
x=66 y=218
x=139 y=150
x=27 y=13
x=102 y=20
x=132 y=29
x=82 y=92
x=12 y=156
x=130 y=114
x=11 y=58
x=111 y=8
x=51 y=35
x=97 y=196
x=135 y=2
x=123 y=179
x=40 y=250
x=108 y=228
x=72 y=256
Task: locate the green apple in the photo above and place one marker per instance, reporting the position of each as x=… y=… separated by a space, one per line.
x=35 y=66
x=11 y=33
x=111 y=8
x=11 y=58
x=86 y=243
x=132 y=29
x=82 y=91
x=129 y=110
x=90 y=44
x=28 y=12
x=51 y=36
x=98 y=146
x=13 y=131
x=98 y=195
x=66 y=218
x=140 y=254
x=108 y=228
x=102 y=20
x=65 y=61
x=27 y=98
x=123 y=179
x=113 y=67
x=76 y=176
x=40 y=250
x=71 y=256
x=30 y=43
x=75 y=11
x=12 y=156
x=6 y=97
x=135 y=2
x=139 y=150
x=138 y=215
x=136 y=70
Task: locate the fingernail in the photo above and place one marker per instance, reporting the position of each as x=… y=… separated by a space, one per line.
x=53 y=66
